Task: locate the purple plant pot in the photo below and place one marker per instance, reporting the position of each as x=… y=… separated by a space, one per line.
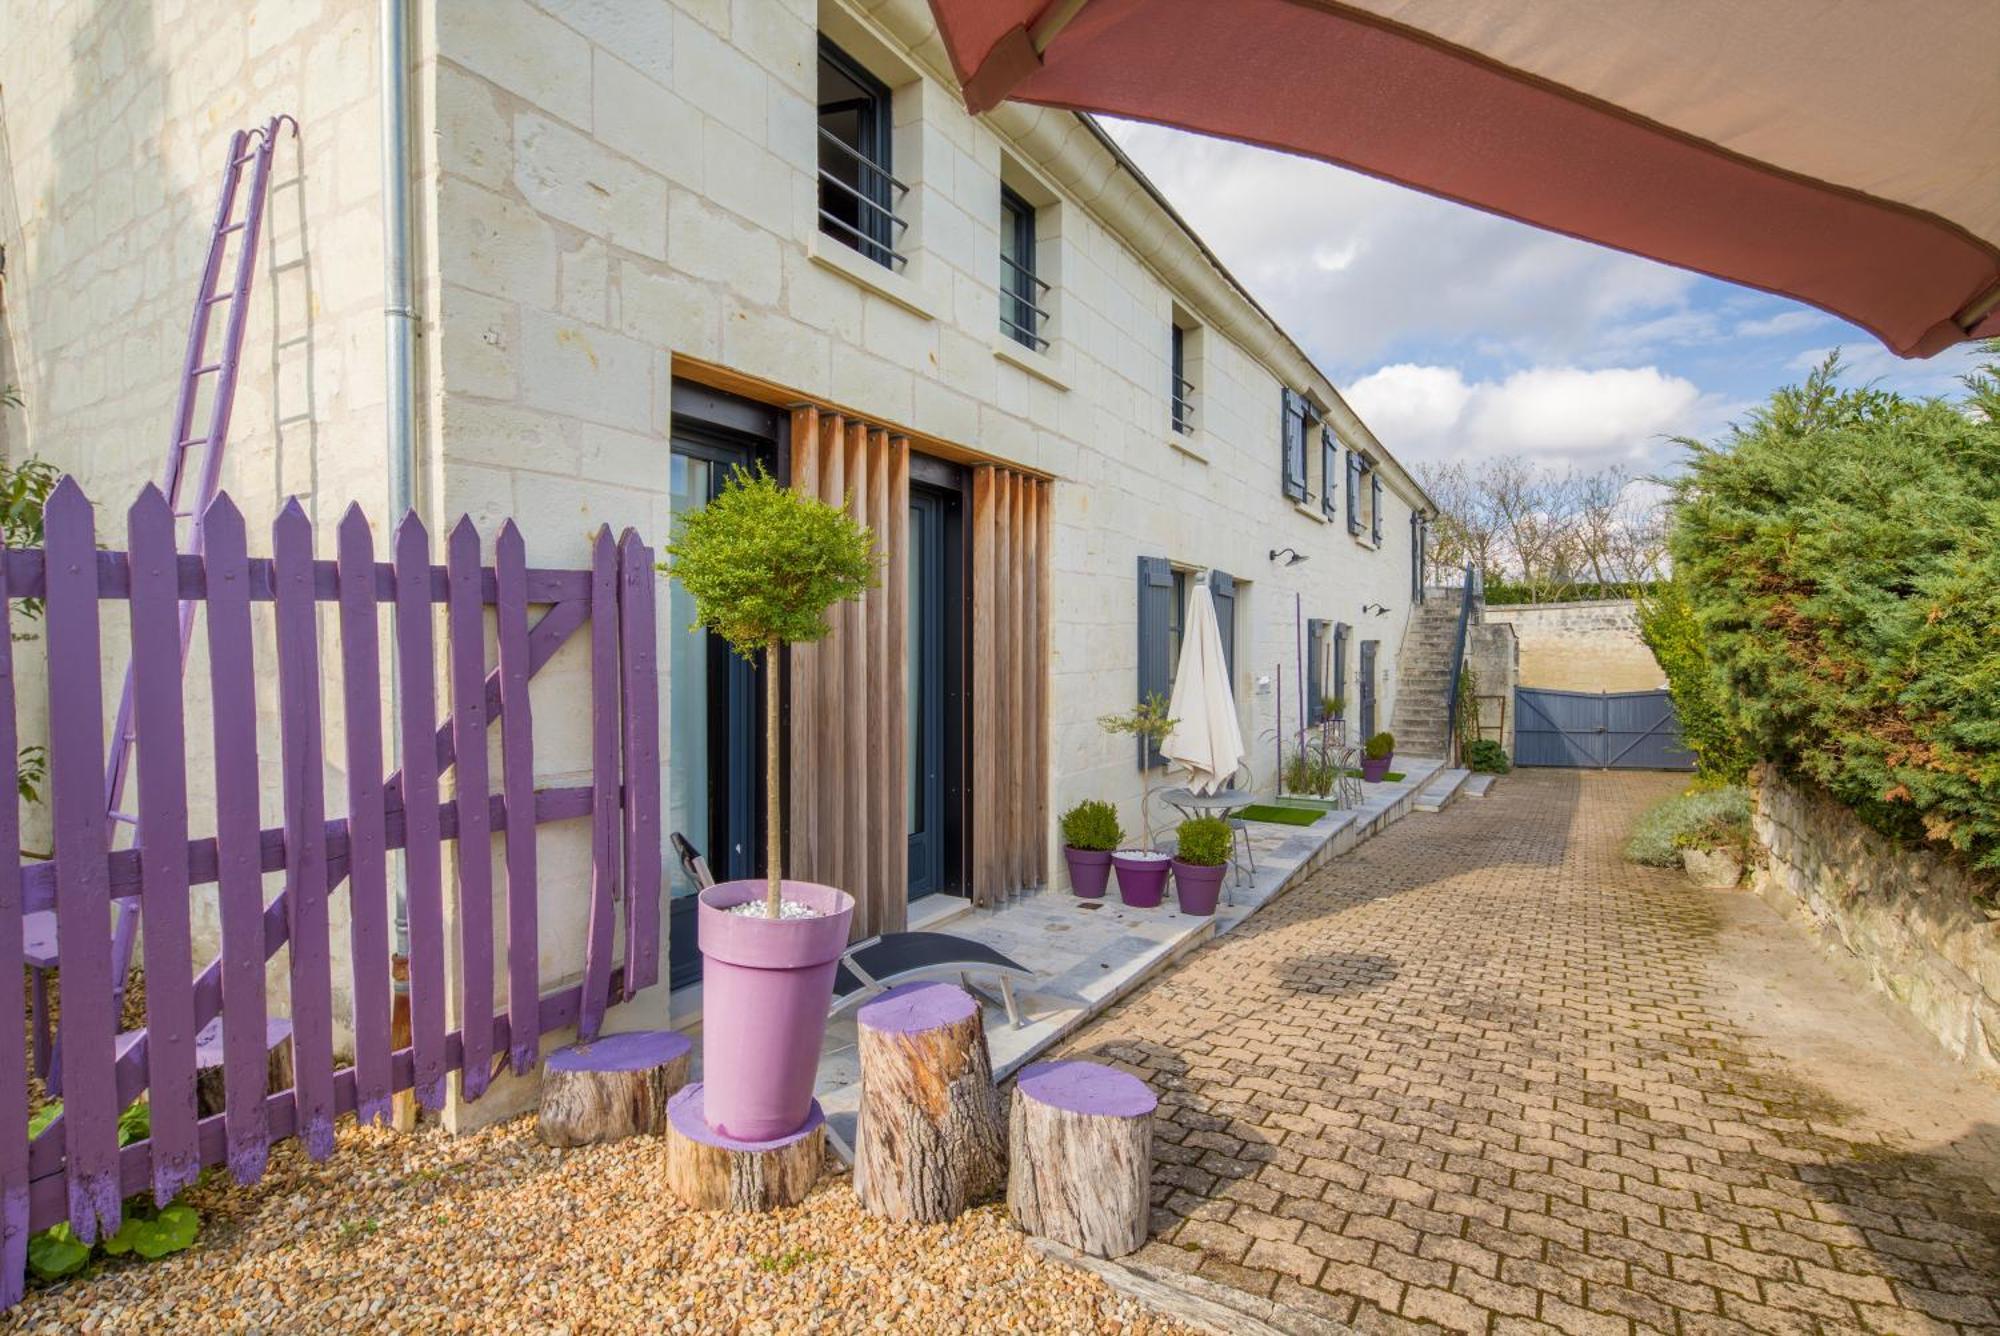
x=1089 y=869
x=1373 y=770
x=1142 y=882
x=765 y=988
x=1198 y=887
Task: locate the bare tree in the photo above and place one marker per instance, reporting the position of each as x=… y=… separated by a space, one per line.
x=1522 y=522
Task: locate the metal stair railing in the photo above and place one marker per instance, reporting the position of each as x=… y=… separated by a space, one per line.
x=1469 y=593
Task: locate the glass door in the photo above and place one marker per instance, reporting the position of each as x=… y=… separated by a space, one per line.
x=934 y=691
x=715 y=770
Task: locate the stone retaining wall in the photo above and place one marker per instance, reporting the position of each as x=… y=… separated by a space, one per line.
x=1915 y=921
x=1586 y=646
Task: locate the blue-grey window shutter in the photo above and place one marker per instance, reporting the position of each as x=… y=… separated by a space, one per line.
x=1353 y=492
x=1294 y=444
x=1222 y=591
x=1375 y=502
x=1156 y=599
x=1329 y=469
x=1315 y=680
x=1340 y=631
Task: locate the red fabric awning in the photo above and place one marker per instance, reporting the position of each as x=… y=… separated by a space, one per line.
x=1847 y=155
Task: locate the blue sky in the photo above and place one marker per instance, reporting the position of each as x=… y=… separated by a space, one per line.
x=1456 y=334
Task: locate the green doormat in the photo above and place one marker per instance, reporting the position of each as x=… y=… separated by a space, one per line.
x=1282 y=816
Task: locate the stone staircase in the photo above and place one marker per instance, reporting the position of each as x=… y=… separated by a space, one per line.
x=1423 y=675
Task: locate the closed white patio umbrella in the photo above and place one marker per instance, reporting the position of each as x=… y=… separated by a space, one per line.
x=1205 y=739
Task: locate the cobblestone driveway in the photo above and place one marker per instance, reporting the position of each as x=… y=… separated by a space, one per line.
x=1467 y=1077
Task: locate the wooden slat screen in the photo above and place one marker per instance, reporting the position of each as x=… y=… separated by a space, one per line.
x=1009 y=744
x=848 y=773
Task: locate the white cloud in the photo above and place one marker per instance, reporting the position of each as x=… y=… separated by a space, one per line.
x=1785 y=322
x=1353 y=267
x=1564 y=415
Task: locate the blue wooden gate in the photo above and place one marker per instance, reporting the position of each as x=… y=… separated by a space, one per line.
x=1616 y=730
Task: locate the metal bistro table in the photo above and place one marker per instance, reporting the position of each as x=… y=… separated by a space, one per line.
x=1224 y=803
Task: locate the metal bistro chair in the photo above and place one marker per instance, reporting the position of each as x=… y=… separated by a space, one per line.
x=876 y=964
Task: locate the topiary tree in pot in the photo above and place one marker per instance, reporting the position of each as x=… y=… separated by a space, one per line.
x=763 y=564
x=1142 y=873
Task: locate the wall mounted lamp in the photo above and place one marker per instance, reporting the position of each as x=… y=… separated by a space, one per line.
x=1379 y=609
x=1287 y=556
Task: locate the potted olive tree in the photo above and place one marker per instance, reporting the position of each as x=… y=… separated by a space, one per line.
x=1142 y=872
x=763 y=564
x=1376 y=754
x=1201 y=861
x=1090 y=832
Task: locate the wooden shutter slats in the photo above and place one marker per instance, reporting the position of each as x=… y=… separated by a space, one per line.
x=847 y=735
x=849 y=693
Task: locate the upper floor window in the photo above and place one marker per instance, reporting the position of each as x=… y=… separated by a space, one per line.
x=1022 y=290
x=1181 y=385
x=1364 y=497
x=858 y=195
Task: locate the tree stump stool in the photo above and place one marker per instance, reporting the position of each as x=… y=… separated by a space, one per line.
x=612 y=1087
x=209 y=1097
x=1082 y=1155
x=713 y=1172
x=930 y=1139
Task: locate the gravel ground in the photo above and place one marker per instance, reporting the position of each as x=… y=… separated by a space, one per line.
x=496 y=1232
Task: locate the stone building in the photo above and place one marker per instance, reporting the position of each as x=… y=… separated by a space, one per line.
x=656 y=239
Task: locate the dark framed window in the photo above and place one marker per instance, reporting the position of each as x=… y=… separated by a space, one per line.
x=1021 y=313
x=1180 y=388
x=858 y=195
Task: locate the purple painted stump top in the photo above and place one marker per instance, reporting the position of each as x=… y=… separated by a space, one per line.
x=631 y=1051
x=914 y=1008
x=689 y=1118
x=208 y=1040
x=39 y=939
x=1087 y=1088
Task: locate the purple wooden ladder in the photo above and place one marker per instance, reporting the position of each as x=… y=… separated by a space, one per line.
x=252 y=148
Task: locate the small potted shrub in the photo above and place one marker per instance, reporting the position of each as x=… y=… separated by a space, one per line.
x=1376 y=755
x=1142 y=872
x=1201 y=862
x=1090 y=831
x=1487 y=757
x=763 y=564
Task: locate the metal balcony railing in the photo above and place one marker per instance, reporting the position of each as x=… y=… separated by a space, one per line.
x=1183 y=405
x=1021 y=317
x=876 y=201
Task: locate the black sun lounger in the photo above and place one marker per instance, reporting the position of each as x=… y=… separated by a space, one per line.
x=877 y=964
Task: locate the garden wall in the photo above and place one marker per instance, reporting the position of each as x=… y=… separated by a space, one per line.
x=1591 y=646
x=1912 y=919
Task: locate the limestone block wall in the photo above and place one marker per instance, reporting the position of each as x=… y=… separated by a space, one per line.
x=115 y=121
x=1493 y=652
x=1585 y=646
x=1926 y=930
x=626 y=194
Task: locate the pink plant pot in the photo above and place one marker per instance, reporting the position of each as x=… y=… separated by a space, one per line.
x=1089 y=870
x=1372 y=771
x=1142 y=882
x=1198 y=887
x=766 y=985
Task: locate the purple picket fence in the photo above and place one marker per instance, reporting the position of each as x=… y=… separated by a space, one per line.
x=74 y=1169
